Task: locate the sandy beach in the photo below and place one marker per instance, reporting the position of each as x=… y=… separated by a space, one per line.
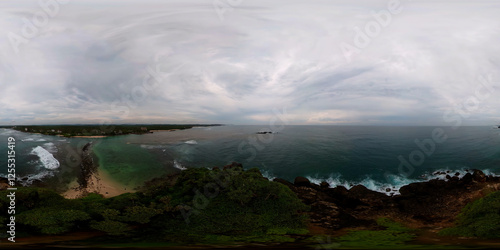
x=99 y=183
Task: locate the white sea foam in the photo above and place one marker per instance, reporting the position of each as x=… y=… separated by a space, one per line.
x=192 y=142
x=267 y=175
x=51 y=147
x=28 y=139
x=7 y=132
x=47 y=159
x=41 y=140
x=395 y=181
x=179 y=166
x=28 y=179
x=147 y=146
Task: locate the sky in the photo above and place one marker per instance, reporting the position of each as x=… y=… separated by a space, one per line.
x=339 y=62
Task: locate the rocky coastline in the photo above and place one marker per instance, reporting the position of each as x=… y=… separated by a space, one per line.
x=434 y=204
x=315 y=210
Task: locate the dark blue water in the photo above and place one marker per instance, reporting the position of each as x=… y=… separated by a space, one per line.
x=377 y=157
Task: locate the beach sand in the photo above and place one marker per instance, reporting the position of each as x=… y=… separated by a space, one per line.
x=100 y=183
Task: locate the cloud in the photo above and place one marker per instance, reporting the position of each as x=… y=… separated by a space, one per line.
x=179 y=62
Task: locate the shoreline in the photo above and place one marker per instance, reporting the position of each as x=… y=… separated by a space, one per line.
x=423 y=208
x=85 y=136
x=100 y=183
x=93 y=179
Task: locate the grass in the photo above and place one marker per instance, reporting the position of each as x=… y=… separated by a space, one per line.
x=480 y=219
x=392 y=236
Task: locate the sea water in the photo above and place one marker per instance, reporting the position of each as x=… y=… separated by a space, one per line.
x=383 y=158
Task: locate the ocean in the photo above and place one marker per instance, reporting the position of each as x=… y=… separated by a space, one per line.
x=382 y=158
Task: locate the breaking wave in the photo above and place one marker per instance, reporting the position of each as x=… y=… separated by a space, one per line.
x=28 y=179
x=394 y=182
x=46 y=158
x=179 y=166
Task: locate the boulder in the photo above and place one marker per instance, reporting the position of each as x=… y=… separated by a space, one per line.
x=233 y=165
x=478 y=176
x=324 y=184
x=301 y=182
x=285 y=182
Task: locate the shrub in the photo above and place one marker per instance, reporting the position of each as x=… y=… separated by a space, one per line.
x=480 y=218
x=111 y=227
x=52 y=221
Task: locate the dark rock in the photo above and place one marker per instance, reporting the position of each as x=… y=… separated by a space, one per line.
x=467 y=178
x=340 y=189
x=87 y=166
x=301 y=182
x=478 y=176
x=307 y=194
x=324 y=184
x=434 y=203
x=457 y=174
x=233 y=165
x=285 y=182
x=4 y=183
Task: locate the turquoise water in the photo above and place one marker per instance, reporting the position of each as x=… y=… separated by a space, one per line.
x=377 y=157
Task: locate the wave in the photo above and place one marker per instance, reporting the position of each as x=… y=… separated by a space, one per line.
x=267 y=174
x=7 y=131
x=28 y=179
x=395 y=182
x=179 y=166
x=51 y=147
x=47 y=159
x=146 y=146
x=192 y=142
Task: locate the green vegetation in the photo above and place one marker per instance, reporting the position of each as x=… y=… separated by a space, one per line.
x=203 y=206
x=479 y=219
x=105 y=130
x=393 y=236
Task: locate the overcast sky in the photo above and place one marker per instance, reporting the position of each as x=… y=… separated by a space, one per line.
x=235 y=61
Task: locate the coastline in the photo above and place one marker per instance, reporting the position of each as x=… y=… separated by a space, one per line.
x=86 y=136
x=164 y=130
x=413 y=218
x=93 y=179
x=100 y=183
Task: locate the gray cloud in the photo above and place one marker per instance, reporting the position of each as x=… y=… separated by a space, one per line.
x=97 y=61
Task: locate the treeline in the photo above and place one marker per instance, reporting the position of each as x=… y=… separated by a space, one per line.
x=106 y=130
